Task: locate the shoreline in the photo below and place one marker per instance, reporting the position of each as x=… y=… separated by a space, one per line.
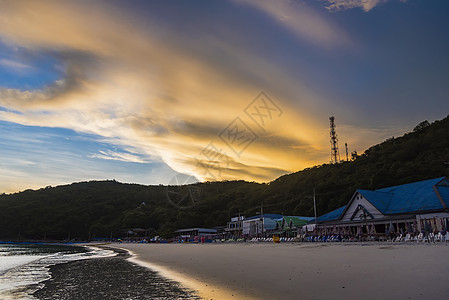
x=300 y=270
x=203 y=289
x=111 y=277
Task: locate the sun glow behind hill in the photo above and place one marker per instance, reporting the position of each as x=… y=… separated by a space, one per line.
x=158 y=89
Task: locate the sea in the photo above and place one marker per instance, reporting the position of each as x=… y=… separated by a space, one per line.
x=57 y=271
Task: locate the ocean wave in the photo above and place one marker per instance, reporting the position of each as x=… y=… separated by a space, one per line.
x=22 y=274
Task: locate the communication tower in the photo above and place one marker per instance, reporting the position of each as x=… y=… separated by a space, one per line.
x=335 y=154
x=346 y=147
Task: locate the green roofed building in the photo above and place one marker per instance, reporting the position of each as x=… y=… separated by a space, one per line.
x=288 y=225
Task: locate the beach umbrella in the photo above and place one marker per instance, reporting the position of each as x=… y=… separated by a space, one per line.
x=427 y=226
x=391 y=229
x=443 y=226
x=409 y=227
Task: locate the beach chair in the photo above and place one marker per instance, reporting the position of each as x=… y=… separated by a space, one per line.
x=407 y=238
x=419 y=238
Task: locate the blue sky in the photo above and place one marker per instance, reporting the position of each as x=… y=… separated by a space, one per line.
x=39 y=155
x=141 y=92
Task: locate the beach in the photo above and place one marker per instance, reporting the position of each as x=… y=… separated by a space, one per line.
x=108 y=278
x=73 y=272
x=302 y=270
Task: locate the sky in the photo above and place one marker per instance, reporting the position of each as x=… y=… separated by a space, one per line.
x=142 y=91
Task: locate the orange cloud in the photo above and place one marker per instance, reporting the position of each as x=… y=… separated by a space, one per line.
x=125 y=84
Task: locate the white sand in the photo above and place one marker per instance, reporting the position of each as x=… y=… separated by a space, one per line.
x=303 y=271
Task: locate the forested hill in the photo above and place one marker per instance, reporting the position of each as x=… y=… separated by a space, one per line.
x=99 y=209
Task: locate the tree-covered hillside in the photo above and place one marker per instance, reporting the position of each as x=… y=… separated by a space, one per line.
x=99 y=209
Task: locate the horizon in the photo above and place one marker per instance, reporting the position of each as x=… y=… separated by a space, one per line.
x=231 y=90
x=188 y=181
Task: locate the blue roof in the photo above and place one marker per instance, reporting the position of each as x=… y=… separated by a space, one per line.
x=381 y=200
x=302 y=218
x=330 y=216
x=444 y=193
x=411 y=197
x=405 y=198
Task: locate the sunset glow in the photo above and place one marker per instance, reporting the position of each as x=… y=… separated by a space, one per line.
x=239 y=89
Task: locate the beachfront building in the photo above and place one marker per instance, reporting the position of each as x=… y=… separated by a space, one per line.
x=414 y=207
x=194 y=234
x=288 y=226
x=258 y=226
x=234 y=228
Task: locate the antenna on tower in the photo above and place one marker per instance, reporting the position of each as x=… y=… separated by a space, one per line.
x=346 y=147
x=335 y=154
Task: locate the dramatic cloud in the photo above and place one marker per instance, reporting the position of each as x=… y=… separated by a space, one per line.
x=15 y=65
x=161 y=86
x=160 y=99
x=366 y=5
x=120 y=156
x=302 y=21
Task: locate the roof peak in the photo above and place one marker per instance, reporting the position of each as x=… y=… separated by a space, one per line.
x=421 y=182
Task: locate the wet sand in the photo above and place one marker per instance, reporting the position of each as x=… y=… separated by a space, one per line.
x=302 y=271
x=108 y=278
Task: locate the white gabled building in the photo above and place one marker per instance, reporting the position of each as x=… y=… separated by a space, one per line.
x=418 y=206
